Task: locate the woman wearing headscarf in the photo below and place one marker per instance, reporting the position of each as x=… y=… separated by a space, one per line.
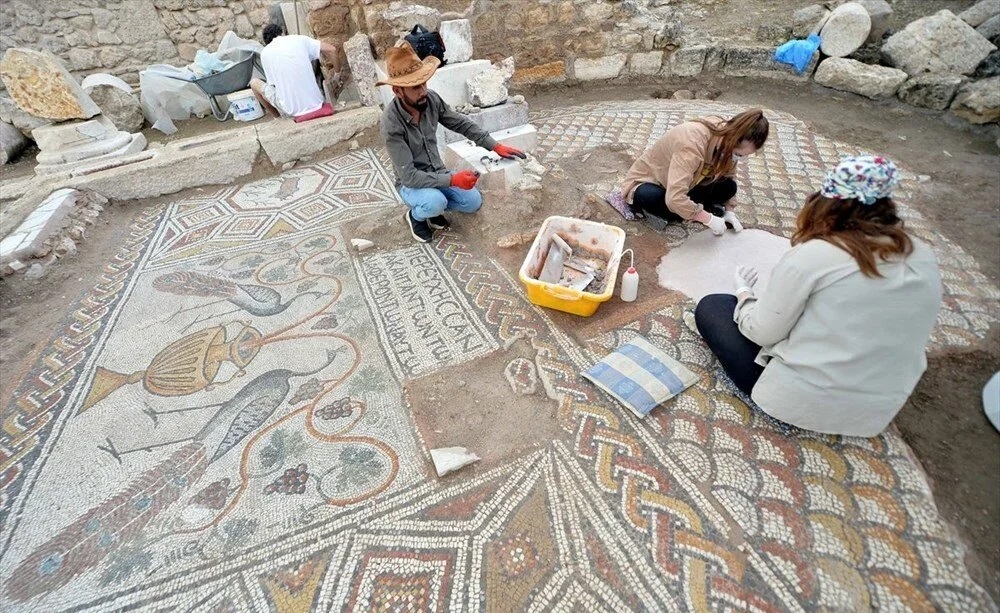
x=689 y=173
x=835 y=343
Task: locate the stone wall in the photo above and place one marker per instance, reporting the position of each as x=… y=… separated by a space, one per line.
x=549 y=39
x=122 y=37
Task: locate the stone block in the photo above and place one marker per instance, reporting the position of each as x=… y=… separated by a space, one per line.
x=645 y=63
x=288 y=10
x=362 y=64
x=607 y=67
x=846 y=30
x=930 y=91
x=990 y=29
x=449 y=81
x=500 y=117
x=759 y=62
x=853 y=76
x=979 y=102
x=495 y=174
x=45 y=220
x=284 y=140
x=402 y=17
x=457 y=36
x=40 y=85
x=880 y=13
x=773 y=34
x=332 y=20
x=523 y=137
x=980 y=12
x=808 y=20
x=688 y=61
x=12 y=142
x=551 y=72
x=940 y=43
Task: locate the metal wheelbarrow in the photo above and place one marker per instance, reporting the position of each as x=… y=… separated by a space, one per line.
x=233 y=79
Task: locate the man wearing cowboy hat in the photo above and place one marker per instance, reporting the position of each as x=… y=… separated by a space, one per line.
x=409 y=127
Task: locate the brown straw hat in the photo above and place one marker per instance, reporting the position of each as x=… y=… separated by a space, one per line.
x=405 y=68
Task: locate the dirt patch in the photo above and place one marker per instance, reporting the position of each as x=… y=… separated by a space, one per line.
x=945 y=425
x=473 y=405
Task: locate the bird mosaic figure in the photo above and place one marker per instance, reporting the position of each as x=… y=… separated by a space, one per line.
x=257 y=300
x=108 y=526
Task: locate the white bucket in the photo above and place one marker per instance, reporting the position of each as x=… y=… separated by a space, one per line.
x=244 y=106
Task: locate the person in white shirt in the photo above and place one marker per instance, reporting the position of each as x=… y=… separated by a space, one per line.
x=835 y=342
x=291 y=89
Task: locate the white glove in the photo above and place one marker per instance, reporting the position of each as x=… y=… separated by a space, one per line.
x=746 y=279
x=716 y=225
x=731 y=219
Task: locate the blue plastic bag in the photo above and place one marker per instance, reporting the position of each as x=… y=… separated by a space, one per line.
x=798 y=53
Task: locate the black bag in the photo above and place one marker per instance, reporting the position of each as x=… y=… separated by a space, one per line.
x=425 y=42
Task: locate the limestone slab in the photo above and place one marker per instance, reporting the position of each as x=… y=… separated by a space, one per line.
x=855 y=77
x=940 y=43
x=362 y=63
x=607 y=67
x=846 y=30
x=880 y=13
x=457 y=36
x=496 y=173
x=114 y=152
x=523 y=137
x=500 y=117
x=283 y=140
x=40 y=85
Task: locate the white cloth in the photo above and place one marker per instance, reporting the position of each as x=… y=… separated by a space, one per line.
x=287 y=63
x=842 y=351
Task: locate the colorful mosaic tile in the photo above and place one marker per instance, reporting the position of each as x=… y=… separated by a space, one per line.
x=221 y=426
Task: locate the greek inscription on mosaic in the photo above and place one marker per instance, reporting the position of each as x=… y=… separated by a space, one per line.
x=424 y=320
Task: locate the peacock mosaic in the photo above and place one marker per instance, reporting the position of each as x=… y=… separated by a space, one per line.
x=222 y=425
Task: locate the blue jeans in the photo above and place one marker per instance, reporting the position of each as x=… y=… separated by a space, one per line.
x=427 y=202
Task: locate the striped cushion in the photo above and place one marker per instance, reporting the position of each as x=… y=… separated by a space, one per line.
x=640 y=376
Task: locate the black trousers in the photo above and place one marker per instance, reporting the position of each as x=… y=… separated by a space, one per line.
x=736 y=353
x=651 y=198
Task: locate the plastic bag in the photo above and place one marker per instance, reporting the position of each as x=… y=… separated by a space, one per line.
x=798 y=53
x=165 y=99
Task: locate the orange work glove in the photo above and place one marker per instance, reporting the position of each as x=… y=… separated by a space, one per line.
x=508 y=152
x=464 y=179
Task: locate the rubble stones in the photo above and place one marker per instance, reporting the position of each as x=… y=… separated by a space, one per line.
x=12 y=142
x=121 y=107
x=457 y=36
x=773 y=34
x=853 y=76
x=979 y=102
x=402 y=17
x=808 y=20
x=990 y=29
x=846 y=30
x=941 y=43
x=488 y=88
x=931 y=91
x=880 y=13
x=980 y=12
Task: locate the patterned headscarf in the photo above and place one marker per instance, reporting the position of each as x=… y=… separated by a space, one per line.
x=864 y=177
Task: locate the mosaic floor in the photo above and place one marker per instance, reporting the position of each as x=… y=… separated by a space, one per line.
x=222 y=425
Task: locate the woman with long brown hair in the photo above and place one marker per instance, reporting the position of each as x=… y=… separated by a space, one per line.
x=689 y=172
x=835 y=343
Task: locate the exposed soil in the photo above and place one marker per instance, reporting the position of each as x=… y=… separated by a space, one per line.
x=943 y=422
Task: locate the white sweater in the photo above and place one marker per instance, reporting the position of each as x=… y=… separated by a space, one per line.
x=842 y=351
